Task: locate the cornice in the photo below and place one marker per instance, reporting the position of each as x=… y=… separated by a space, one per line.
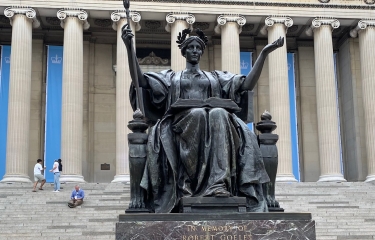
x=321 y=4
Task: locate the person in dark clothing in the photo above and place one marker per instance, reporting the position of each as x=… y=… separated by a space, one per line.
x=60 y=167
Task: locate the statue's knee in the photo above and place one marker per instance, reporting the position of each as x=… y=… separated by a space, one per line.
x=216 y=113
x=199 y=113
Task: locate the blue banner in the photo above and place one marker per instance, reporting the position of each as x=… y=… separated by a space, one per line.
x=293 y=116
x=246 y=63
x=52 y=144
x=4 y=93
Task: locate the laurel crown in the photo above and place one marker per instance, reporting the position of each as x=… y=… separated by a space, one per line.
x=182 y=36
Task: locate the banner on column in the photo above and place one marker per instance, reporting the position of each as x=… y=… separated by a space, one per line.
x=293 y=116
x=246 y=65
x=52 y=142
x=4 y=93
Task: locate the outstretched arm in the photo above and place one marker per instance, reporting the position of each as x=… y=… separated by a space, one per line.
x=252 y=78
x=127 y=37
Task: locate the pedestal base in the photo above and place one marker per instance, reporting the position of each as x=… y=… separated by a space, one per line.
x=275 y=209
x=137 y=210
x=215 y=226
x=212 y=204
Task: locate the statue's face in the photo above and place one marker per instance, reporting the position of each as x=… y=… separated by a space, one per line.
x=193 y=52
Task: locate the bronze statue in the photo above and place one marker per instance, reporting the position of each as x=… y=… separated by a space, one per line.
x=198 y=147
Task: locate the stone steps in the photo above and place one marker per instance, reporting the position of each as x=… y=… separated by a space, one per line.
x=341 y=210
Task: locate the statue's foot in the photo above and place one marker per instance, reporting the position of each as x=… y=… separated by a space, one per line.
x=221 y=193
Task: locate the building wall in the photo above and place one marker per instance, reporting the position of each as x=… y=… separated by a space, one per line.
x=352 y=122
x=36 y=115
x=308 y=115
x=104 y=114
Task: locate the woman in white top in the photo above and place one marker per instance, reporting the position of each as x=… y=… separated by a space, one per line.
x=56 y=176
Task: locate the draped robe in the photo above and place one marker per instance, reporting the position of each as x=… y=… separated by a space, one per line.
x=199 y=151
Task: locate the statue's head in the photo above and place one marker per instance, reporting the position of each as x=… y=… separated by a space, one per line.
x=184 y=42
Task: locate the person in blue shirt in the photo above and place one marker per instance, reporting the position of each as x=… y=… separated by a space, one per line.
x=77 y=197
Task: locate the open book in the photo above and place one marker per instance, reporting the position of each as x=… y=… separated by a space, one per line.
x=213 y=102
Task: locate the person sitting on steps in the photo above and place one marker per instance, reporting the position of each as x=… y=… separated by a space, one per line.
x=77 y=197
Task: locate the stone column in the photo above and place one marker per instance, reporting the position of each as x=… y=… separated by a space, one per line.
x=22 y=19
x=230 y=26
x=366 y=30
x=73 y=22
x=279 y=95
x=176 y=23
x=326 y=100
x=124 y=112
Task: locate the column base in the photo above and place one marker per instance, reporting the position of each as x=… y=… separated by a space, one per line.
x=71 y=179
x=122 y=178
x=285 y=178
x=370 y=178
x=16 y=178
x=332 y=178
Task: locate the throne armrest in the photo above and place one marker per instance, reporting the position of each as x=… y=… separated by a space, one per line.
x=247 y=110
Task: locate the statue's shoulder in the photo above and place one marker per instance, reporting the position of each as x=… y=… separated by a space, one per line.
x=221 y=74
x=213 y=74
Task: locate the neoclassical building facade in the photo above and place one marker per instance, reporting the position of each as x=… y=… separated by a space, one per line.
x=64 y=90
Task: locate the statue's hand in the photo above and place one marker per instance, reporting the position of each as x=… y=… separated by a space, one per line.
x=273 y=46
x=127 y=35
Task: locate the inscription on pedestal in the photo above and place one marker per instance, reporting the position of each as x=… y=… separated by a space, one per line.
x=245 y=229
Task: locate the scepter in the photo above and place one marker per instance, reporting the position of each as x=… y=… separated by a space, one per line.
x=139 y=99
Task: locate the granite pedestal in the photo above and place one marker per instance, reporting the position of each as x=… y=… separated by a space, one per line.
x=215 y=226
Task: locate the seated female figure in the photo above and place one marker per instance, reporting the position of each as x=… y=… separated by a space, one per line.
x=200 y=150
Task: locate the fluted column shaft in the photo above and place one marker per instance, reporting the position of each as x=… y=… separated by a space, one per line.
x=230 y=28
x=178 y=62
x=230 y=48
x=176 y=23
x=17 y=155
x=327 y=112
x=72 y=98
x=124 y=112
x=367 y=55
x=279 y=97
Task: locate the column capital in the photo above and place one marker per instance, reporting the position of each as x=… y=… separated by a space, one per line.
x=224 y=18
x=272 y=20
x=172 y=17
x=362 y=25
x=134 y=16
x=27 y=11
x=317 y=22
x=79 y=13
